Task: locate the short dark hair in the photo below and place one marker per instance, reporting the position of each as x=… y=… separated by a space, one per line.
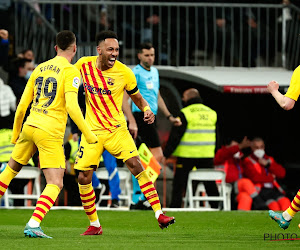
x=101 y=36
x=64 y=39
x=144 y=46
x=20 y=62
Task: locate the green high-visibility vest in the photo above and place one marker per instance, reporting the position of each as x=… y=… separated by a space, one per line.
x=6 y=147
x=199 y=139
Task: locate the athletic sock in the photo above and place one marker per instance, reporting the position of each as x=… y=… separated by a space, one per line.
x=44 y=204
x=87 y=196
x=149 y=191
x=5 y=178
x=293 y=208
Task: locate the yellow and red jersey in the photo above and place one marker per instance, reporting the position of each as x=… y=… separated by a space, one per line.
x=104 y=93
x=48 y=84
x=294 y=89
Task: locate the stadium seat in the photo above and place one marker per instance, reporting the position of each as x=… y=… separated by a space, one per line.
x=125 y=179
x=31 y=173
x=206 y=175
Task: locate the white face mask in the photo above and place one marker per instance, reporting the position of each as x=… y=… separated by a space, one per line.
x=259 y=153
x=28 y=74
x=237 y=155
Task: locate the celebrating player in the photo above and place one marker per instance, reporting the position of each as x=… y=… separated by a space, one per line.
x=287 y=102
x=53 y=88
x=105 y=80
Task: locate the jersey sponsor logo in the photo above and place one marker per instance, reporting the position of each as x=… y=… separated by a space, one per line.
x=96 y=90
x=76 y=82
x=110 y=81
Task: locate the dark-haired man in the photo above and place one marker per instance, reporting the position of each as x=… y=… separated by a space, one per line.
x=104 y=80
x=52 y=89
x=148 y=83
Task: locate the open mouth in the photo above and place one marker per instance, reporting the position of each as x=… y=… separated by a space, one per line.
x=112 y=61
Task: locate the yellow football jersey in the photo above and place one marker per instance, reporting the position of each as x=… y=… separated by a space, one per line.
x=48 y=84
x=104 y=93
x=294 y=89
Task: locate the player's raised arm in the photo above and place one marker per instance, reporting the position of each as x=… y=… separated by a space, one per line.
x=285 y=102
x=26 y=99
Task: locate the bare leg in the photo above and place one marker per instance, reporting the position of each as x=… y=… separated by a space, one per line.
x=157 y=153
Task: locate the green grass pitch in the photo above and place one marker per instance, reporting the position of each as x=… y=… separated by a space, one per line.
x=139 y=230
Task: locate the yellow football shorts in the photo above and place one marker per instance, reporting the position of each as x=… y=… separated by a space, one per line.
x=51 y=151
x=118 y=143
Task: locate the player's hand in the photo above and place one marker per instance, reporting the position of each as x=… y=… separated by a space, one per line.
x=133 y=129
x=149 y=117
x=75 y=137
x=176 y=121
x=4 y=34
x=92 y=138
x=273 y=86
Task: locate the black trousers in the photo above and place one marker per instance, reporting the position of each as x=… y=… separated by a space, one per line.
x=183 y=167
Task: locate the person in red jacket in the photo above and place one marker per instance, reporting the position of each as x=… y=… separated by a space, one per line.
x=244 y=191
x=263 y=170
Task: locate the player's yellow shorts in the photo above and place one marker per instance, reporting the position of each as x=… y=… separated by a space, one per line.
x=51 y=151
x=119 y=143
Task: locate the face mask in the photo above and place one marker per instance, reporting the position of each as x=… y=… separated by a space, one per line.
x=237 y=155
x=259 y=153
x=28 y=74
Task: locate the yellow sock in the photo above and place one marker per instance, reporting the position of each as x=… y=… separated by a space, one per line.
x=87 y=196
x=5 y=178
x=45 y=202
x=295 y=205
x=149 y=190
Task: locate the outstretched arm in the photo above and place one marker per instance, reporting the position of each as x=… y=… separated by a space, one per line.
x=132 y=126
x=76 y=115
x=283 y=101
x=143 y=105
x=162 y=106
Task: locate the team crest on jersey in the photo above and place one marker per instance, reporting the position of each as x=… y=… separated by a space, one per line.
x=76 y=82
x=110 y=81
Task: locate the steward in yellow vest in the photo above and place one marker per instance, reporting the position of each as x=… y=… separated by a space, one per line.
x=193 y=143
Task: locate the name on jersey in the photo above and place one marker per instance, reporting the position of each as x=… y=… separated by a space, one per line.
x=95 y=90
x=40 y=110
x=53 y=68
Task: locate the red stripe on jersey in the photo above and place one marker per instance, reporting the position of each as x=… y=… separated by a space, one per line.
x=37 y=216
x=89 y=213
x=149 y=190
x=99 y=94
x=146 y=184
x=105 y=87
x=44 y=204
x=3 y=185
x=93 y=96
x=93 y=99
x=1 y=193
x=154 y=202
x=88 y=194
x=88 y=200
x=47 y=198
x=297 y=196
x=41 y=210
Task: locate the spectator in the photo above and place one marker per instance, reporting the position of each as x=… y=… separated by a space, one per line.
x=4 y=44
x=263 y=170
x=192 y=146
x=243 y=191
x=7 y=105
x=18 y=82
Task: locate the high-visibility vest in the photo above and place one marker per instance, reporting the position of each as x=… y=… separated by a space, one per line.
x=199 y=139
x=6 y=147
